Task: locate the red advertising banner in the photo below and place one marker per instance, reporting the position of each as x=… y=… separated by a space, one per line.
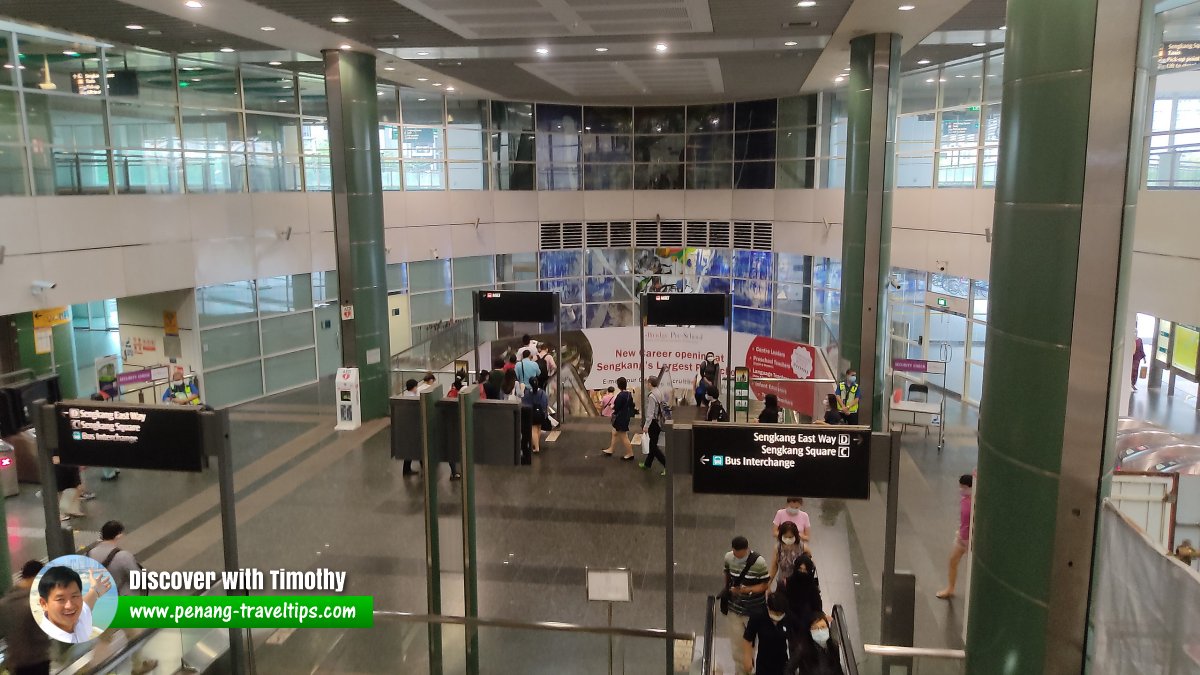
x=773 y=358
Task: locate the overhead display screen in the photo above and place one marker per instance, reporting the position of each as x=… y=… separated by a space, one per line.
x=166 y=438
x=685 y=309
x=524 y=306
x=801 y=461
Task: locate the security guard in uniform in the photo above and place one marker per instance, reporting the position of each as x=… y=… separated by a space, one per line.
x=847 y=393
x=181 y=391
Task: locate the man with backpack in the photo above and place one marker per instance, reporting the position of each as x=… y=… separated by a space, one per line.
x=657 y=411
x=747 y=576
x=119 y=564
x=526 y=368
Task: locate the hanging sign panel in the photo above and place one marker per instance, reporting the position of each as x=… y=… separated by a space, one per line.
x=122 y=436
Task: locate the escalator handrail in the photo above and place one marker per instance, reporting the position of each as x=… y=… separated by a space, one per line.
x=706 y=661
x=843 y=640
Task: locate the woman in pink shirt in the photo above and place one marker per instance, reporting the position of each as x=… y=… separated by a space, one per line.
x=962 y=537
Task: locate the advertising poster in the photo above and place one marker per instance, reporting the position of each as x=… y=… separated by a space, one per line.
x=772 y=358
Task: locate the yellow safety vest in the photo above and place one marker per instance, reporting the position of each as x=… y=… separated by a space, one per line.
x=853 y=391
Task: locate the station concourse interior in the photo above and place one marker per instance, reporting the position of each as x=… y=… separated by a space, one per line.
x=231 y=202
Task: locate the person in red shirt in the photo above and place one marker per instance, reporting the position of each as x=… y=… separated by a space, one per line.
x=962 y=536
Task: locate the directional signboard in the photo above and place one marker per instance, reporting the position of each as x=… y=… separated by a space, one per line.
x=801 y=461
x=164 y=437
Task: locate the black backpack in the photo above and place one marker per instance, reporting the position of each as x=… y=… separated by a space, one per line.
x=722 y=413
x=543 y=366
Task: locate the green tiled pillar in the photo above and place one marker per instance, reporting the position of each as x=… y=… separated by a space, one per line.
x=867 y=224
x=1064 y=199
x=358 y=221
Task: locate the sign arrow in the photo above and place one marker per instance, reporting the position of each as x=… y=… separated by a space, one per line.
x=704 y=459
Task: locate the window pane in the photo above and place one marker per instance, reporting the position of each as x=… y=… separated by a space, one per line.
x=290 y=370
x=421 y=143
x=216 y=131
x=510 y=116
x=389 y=107
x=916 y=171
x=269 y=90
x=513 y=176
x=468 y=175
x=431 y=307
x=559 y=264
x=312 y=95
x=229 y=344
x=421 y=108
x=207 y=85
x=226 y=303
x=429 y=275
x=608 y=177
x=753 y=264
x=285 y=333
x=512 y=147
x=474 y=271
x=752 y=293
x=45 y=60
x=65 y=121
x=272 y=134
x=793 y=298
x=148 y=171
x=991 y=158
x=658 y=176
x=558 y=148
x=918 y=91
x=143 y=126
x=798 y=111
x=914 y=133
x=963 y=84
x=607 y=289
x=755 y=114
x=757 y=145
x=956 y=168
x=710 y=118
x=793 y=267
x=991 y=124
x=140 y=75
x=796 y=173
x=397 y=277
x=797 y=143
x=570 y=290
x=465 y=144
x=563 y=119
x=12 y=170
x=1164 y=111
x=607 y=148
x=10 y=116
x=231 y=385
x=5 y=70
x=993 y=80
x=658 y=120
x=960 y=129
x=788 y=327
x=608 y=120
x=558 y=177
x=610 y=315
x=278 y=295
x=752 y=321
x=466 y=112
x=710 y=176
x=710 y=147
x=659 y=148
x=754 y=175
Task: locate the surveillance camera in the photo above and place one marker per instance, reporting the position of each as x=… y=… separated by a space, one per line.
x=40 y=286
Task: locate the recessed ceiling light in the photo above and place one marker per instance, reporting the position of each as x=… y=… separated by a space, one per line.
x=960 y=75
x=267 y=28
x=422 y=79
x=790 y=43
x=422 y=53
x=389 y=67
x=660 y=47
x=274 y=63
x=437 y=84
x=930 y=80
x=906 y=8
x=135 y=26
x=978 y=44
x=601 y=49
x=190 y=68
x=227 y=50
x=195 y=79
x=71 y=53
x=422 y=100
x=942 y=80
x=282 y=100
x=846 y=69
x=839 y=78
x=194 y=4
x=806 y=3
x=923 y=62
x=542 y=50
x=449 y=88
x=1003 y=27
x=345 y=46
x=340 y=19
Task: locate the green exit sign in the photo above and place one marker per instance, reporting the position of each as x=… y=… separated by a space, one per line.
x=942 y=302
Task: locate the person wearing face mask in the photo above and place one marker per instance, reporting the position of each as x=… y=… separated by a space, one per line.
x=962 y=536
x=747 y=577
x=803 y=589
x=793 y=513
x=833 y=410
x=847 y=393
x=787 y=550
x=775 y=633
x=816 y=651
x=709 y=375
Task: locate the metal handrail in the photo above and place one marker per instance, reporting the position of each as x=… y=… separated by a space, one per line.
x=653 y=633
x=706 y=660
x=843 y=640
x=928 y=652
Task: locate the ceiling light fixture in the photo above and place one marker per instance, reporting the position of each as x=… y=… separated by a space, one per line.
x=449 y=88
x=422 y=100
x=345 y=47
x=339 y=19
x=839 y=78
x=437 y=84
x=978 y=44
x=960 y=75
x=806 y=3
x=227 y=50
x=542 y=50
x=929 y=80
x=660 y=47
x=274 y=63
x=135 y=26
x=790 y=43
x=422 y=79
x=267 y=28
x=194 y=4
x=906 y=8
x=601 y=49
x=389 y=67
x=191 y=68
x=71 y=53
x=282 y=100
x=923 y=62
x=1003 y=27
x=846 y=69
x=422 y=53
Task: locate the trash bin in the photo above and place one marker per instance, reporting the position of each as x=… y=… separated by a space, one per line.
x=8 y=470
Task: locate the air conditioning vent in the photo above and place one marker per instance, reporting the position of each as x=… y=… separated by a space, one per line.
x=763 y=237
x=743 y=235
x=718 y=235
x=572 y=235
x=620 y=235
x=550 y=238
x=646 y=234
x=670 y=233
x=597 y=235
x=697 y=234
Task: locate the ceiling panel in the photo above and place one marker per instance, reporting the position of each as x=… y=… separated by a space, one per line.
x=569 y=20
x=978 y=15
x=106 y=20
x=379 y=23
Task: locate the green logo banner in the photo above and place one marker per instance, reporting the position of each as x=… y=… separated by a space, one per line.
x=262 y=611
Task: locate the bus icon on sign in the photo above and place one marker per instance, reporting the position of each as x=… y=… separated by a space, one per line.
x=662 y=298
x=491 y=295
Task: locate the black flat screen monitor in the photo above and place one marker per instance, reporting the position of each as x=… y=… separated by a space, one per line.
x=523 y=306
x=686 y=309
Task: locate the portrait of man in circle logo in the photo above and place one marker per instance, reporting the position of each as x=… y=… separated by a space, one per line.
x=73 y=599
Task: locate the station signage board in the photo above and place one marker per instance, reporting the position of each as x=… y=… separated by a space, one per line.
x=821 y=461
x=685 y=309
x=123 y=436
x=523 y=306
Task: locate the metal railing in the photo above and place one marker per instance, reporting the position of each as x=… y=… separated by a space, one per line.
x=710 y=620
x=845 y=647
x=915 y=652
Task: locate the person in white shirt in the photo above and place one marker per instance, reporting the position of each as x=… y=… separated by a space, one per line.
x=66 y=609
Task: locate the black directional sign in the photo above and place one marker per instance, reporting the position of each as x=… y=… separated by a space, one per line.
x=801 y=461
x=123 y=436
